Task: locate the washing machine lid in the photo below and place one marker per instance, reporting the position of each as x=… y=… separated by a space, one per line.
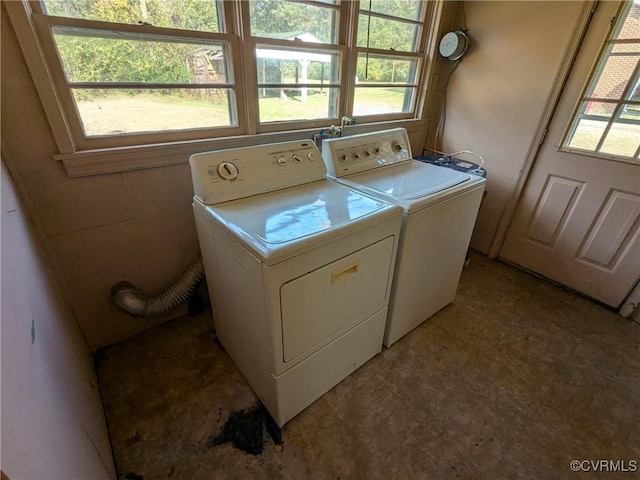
x=276 y=225
x=409 y=181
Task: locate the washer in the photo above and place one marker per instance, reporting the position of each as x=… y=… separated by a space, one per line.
x=299 y=268
x=440 y=208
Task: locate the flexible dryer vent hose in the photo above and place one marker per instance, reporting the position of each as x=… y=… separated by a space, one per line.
x=137 y=303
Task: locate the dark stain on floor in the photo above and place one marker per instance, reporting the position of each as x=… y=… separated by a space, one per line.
x=246 y=429
x=533 y=374
x=133 y=476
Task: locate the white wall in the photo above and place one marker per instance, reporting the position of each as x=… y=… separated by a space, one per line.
x=136 y=226
x=53 y=425
x=497 y=94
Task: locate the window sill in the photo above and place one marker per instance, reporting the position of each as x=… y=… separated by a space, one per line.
x=114 y=160
x=598 y=155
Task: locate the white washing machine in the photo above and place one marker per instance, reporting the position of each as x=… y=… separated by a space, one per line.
x=440 y=208
x=299 y=268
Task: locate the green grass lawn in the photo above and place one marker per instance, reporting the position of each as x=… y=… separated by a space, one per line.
x=368 y=101
x=119 y=112
x=622 y=139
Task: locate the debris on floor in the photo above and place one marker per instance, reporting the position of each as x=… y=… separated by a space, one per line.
x=246 y=430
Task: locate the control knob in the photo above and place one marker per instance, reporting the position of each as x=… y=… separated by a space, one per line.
x=396 y=146
x=228 y=171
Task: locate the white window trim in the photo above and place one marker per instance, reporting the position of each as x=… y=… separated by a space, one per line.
x=599 y=155
x=79 y=161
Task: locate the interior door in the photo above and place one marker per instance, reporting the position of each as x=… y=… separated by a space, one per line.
x=578 y=218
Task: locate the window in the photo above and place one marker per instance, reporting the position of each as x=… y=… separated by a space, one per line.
x=607 y=122
x=142 y=72
x=388 y=63
x=298 y=60
x=130 y=72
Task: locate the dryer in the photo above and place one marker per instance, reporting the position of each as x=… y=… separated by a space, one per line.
x=299 y=268
x=440 y=207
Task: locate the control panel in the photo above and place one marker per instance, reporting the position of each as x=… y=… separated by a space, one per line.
x=225 y=175
x=357 y=153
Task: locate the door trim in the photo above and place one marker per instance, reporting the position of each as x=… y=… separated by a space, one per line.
x=579 y=31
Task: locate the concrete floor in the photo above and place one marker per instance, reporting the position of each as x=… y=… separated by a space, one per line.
x=515 y=379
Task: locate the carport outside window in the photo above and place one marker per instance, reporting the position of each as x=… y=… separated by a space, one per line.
x=297 y=59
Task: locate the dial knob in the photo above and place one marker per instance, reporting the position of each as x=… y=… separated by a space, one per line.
x=297 y=158
x=396 y=147
x=312 y=156
x=228 y=171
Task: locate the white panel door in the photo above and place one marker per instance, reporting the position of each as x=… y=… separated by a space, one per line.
x=578 y=218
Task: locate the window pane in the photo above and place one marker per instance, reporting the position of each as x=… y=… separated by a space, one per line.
x=184 y=14
x=379 y=100
x=386 y=34
x=587 y=134
x=630 y=28
x=614 y=77
x=622 y=139
x=287 y=21
x=598 y=109
x=629 y=48
x=613 y=80
x=291 y=104
x=311 y=70
x=94 y=56
x=111 y=112
x=591 y=124
x=296 y=66
x=385 y=69
x=631 y=112
x=411 y=10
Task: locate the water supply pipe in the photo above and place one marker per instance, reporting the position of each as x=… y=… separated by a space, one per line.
x=137 y=303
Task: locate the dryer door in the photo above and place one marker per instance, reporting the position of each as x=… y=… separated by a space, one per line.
x=326 y=302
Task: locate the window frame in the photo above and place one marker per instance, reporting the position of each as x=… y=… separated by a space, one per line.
x=104 y=154
x=419 y=55
x=251 y=65
x=275 y=126
x=586 y=96
x=44 y=25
